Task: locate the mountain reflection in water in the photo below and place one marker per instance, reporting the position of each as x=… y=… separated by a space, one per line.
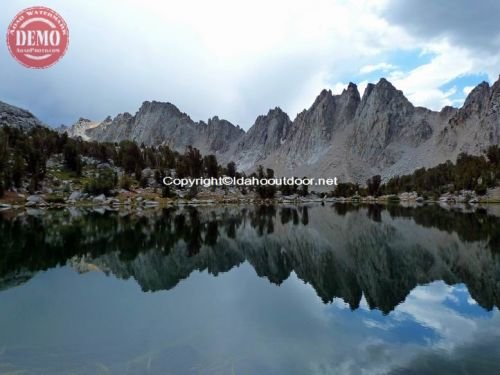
x=382 y=262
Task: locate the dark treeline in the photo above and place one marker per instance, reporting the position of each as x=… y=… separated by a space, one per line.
x=24 y=156
x=470 y=172
x=469 y=226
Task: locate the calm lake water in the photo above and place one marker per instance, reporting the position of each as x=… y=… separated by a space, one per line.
x=251 y=290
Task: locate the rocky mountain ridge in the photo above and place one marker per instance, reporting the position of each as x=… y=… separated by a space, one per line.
x=17 y=117
x=349 y=136
x=163 y=123
x=354 y=137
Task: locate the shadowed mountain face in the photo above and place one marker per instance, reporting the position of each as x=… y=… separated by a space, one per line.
x=341 y=251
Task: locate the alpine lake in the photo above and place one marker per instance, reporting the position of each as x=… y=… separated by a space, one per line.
x=251 y=289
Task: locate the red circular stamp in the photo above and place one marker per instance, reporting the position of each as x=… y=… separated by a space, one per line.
x=37 y=37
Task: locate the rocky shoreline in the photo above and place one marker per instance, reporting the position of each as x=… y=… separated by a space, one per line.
x=60 y=188
x=148 y=198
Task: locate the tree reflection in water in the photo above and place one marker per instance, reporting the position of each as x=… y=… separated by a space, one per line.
x=345 y=251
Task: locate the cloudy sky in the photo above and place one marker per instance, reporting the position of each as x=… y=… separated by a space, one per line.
x=238 y=59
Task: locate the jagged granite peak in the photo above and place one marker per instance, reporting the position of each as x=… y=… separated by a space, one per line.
x=17 y=117
x=495 y=88
x=353 y=137
x=221 y=134
x=80 y=128
x=161 y=108
x=313 y=129
x=368 y=90
x=351 y=87
x=348 y=136
x=475 y=104
x=267 y=134
x=382 y=94
x=348 y=102
x=478 y=93
x=476 y=125
x=158 y=123
x=385 y=115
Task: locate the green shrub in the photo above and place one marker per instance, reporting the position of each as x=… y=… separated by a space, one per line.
x=126 y=182
x=103 y=182
x=54 y=198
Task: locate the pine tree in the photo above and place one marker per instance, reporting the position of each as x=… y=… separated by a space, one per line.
x=72 y=158
x=130 y=156
x=373 y=185
x=194 y=162
x=231 y=169
x=18 y=170
x=211 y=166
